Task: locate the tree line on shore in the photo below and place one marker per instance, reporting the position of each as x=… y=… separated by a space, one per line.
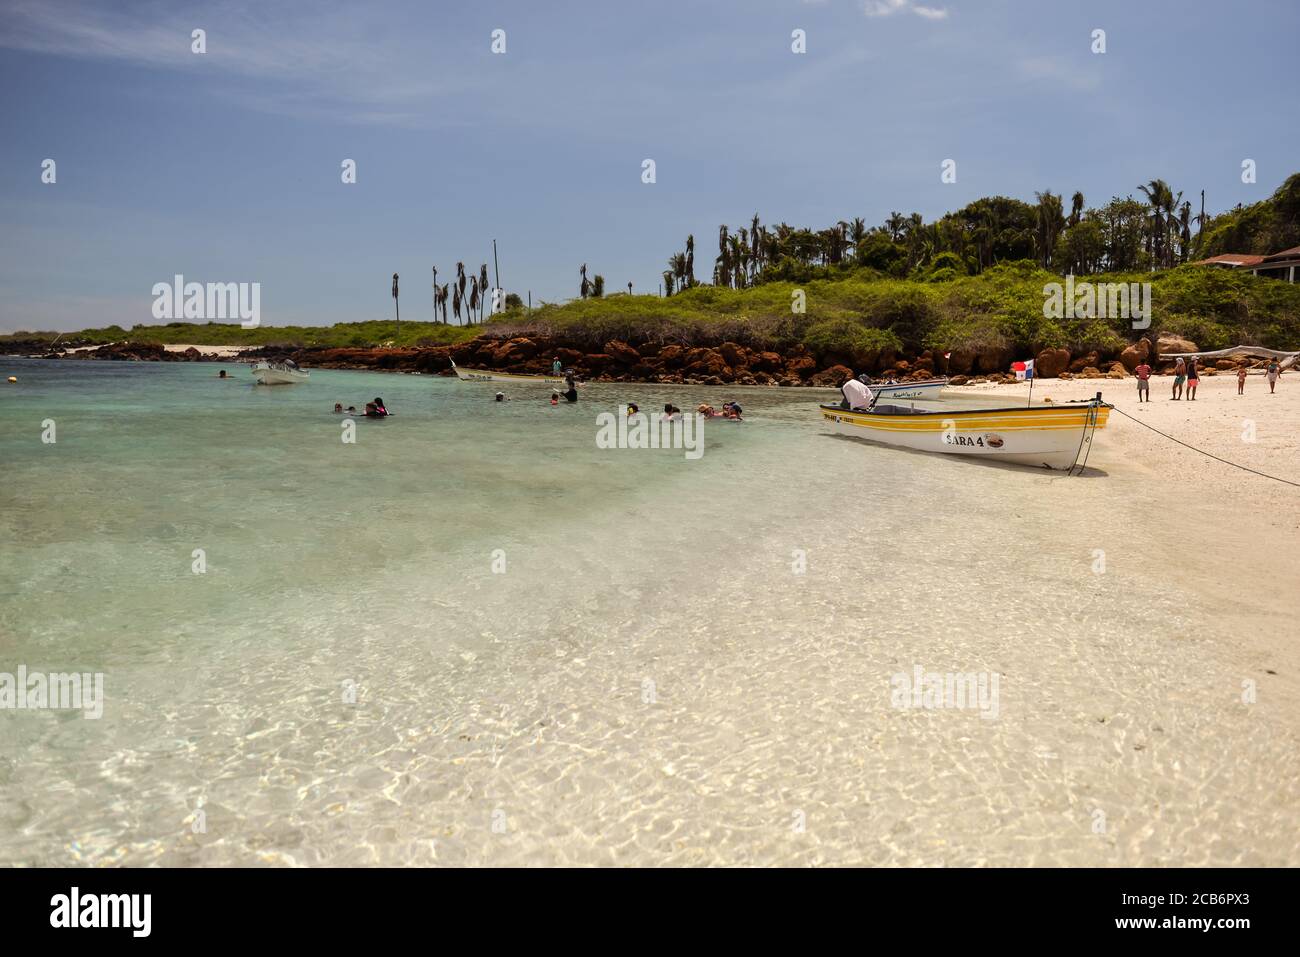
x=1126 y=234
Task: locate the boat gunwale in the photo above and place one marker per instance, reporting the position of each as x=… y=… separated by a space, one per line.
x=951 y=413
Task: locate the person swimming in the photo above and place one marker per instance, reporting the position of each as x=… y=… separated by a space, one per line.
x=670 y=410
x=338 y=407
x=632 y=409
x=501 y=397
x=222 y=374
x=555 y=398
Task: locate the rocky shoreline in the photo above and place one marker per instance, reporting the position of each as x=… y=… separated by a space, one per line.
x=728 y=363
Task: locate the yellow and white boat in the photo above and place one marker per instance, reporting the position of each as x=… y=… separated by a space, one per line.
x=1048 y=436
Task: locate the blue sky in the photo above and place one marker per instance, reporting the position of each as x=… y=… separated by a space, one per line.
x=225 y=167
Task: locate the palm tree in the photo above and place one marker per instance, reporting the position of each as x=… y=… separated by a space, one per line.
x=460 y=285
x=441 y=300
x=690 y=261
x=584 y=289
x=668 y=282
x=483 y=289
x=895 y=225
x=473 y=297
x=1185 y=230
x=1076 y=209
x=1158 y=195
x=1049 y=225
x=724 y=256
x=435 y=293
x=598 y=287
x=397 y=308
x=678 y=266
x=455 y=303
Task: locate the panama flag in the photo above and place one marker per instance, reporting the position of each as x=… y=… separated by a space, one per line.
x=1024 y=370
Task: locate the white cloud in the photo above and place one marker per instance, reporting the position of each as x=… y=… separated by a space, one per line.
x=300 y=60
x=886 y=8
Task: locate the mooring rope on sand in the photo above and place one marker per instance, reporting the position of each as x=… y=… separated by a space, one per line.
x=1244 y=468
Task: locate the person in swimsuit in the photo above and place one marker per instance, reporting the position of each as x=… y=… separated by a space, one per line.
x=1193 y=378
x=338 y=407
x=379 y=407
x=1180 y=376
x=555 y=398
x=1241 y=380
x=1143 y=372
x=1273 y=370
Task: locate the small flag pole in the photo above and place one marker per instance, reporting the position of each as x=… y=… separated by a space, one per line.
x=1031 y=387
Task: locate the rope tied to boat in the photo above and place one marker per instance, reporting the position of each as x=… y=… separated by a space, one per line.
x=1244 y=468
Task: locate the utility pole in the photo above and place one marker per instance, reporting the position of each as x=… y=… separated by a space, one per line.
x=435 y=294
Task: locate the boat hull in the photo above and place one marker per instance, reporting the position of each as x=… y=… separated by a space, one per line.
x=482 y=375
x=266 y=374
x=1041 y=437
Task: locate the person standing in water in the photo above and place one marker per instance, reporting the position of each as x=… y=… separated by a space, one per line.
x=571 y=393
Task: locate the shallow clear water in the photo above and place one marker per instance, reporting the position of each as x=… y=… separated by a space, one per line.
x=653 y=678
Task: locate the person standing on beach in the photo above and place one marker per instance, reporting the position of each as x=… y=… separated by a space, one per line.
x=556 y=367
x=1143 y=372
x=1241 y=380
x=1272 y=371
x=1193 y=378
x=1180 y=376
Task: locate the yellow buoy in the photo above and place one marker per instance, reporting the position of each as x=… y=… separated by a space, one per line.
x=13 y=378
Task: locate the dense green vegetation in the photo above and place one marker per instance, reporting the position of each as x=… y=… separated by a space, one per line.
x=343 y=335
x=1268 y=226
x=864 y=310
x=1155 y=231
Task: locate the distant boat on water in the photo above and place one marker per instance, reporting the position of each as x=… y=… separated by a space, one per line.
x=278 y=373
x=483 y=375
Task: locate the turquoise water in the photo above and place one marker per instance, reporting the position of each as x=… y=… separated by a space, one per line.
x=560 y=653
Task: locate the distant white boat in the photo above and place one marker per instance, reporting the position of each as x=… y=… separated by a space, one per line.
x=483 y=375
x=278 y=373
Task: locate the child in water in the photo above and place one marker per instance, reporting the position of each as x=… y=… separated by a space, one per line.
x=555 y=398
